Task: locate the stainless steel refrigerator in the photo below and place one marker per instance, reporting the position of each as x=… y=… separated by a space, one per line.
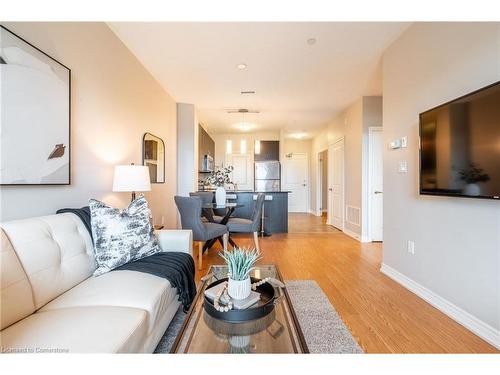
x=267 y=176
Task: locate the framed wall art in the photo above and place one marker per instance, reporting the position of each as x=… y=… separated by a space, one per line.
x=35 y=115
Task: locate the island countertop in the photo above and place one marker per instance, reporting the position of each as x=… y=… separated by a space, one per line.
x=249 y=191
x=275 y=208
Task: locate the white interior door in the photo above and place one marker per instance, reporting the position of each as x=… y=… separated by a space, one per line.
x=297 y=182
x=376 y=222
x=242 y=174
x=336 y=184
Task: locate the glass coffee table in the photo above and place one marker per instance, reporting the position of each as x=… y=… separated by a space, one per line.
x=278 y=332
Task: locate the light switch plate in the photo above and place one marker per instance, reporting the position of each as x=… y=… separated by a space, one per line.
x=403 y=166
x=411 y=247
x=404 y=142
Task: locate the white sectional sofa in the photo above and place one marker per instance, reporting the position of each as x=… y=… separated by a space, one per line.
x=50 y=302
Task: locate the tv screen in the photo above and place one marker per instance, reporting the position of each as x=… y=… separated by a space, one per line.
x=460 y=146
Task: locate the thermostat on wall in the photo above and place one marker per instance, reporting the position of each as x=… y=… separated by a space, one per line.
x=395 y=144
x=398 y=143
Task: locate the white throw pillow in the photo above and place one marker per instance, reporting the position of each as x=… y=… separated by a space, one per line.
x=121 y=236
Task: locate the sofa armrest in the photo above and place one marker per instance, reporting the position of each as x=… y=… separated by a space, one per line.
x=175 y=240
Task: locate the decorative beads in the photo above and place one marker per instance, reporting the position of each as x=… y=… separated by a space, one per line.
x=220 y=293
x=259 y=283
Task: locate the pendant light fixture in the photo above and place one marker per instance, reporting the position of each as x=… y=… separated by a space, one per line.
x=257 y=147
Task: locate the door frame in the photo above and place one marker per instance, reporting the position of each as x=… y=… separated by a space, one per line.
x=330 y=176
x=308 y=174
x=371 y=130
x=319 y=183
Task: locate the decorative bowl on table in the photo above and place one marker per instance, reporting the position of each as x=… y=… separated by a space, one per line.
x=264 y=305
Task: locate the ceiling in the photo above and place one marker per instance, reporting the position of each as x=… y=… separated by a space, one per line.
x=298 y=86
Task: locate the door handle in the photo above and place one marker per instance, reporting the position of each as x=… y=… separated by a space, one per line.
x=330 y=189
x=377 y=192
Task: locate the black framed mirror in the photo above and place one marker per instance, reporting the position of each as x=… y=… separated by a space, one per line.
x=153 y=156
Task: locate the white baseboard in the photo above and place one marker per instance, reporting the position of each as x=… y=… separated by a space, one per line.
x=352 y=234
x=365 y=239
x=356 y=236
x=477 y=326
x=315 y=212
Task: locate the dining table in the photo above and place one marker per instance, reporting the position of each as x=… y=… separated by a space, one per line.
x=229 y=208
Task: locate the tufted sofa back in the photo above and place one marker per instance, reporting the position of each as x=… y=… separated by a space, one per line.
x=41 y=258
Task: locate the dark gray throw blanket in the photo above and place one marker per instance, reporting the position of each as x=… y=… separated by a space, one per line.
x=176 y=267
x=84 y=215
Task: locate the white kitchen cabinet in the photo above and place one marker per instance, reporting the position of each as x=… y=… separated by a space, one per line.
x=242 y=174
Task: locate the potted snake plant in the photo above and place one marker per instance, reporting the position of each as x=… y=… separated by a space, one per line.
x=240 y=262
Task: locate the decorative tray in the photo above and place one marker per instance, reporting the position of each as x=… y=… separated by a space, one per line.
x=268 y=299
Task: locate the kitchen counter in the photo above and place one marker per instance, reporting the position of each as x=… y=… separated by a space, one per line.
x=255 y=192
x=275 y=208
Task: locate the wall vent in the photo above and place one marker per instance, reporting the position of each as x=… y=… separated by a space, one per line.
x=353 y=215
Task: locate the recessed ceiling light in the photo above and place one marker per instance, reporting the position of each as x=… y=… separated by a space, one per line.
x=248 y=92
x=311 y=41
x=241 y=66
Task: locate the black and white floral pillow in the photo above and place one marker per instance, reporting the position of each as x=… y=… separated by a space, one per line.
x=121 y=236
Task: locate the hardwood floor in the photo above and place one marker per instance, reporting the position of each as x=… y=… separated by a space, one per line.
x=382 y=316
x=307 y=223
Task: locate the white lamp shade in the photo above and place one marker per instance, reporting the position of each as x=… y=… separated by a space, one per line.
x=131 y=178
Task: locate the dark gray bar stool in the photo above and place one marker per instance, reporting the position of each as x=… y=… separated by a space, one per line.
x=240 y=225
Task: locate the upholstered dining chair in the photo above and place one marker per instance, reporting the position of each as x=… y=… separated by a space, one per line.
x=240 y=225
x=207 y=197
x=190 y=211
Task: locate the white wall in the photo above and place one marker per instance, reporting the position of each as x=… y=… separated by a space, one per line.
x=299 y=146
x=114 y=101
x=187 y=149
x=457 y=240
x=352 y=124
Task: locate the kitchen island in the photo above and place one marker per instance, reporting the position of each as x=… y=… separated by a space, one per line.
x=275 y=208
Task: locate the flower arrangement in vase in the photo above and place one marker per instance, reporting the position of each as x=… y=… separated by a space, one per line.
x=219 y=178
x=472 y=175
x=240 y=262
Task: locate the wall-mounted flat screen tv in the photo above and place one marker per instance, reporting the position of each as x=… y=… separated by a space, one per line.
x=460 y=146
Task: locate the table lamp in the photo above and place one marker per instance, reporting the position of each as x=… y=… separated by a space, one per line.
x=131 y=178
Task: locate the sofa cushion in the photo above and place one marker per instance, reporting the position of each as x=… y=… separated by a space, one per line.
x=102 y=329
x=16 y=296
x=55 y=252
x=121 y=236
x=124 y=289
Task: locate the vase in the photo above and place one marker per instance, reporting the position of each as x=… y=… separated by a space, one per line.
x=472 y=189
x=239 y=289
x=239 y=342
x=220 y=196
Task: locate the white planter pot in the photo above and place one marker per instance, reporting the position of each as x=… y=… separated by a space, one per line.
x=239 y=289
x=220 y=196
x=472 y=189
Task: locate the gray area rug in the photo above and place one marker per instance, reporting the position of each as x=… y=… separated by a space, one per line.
x=323 y=329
